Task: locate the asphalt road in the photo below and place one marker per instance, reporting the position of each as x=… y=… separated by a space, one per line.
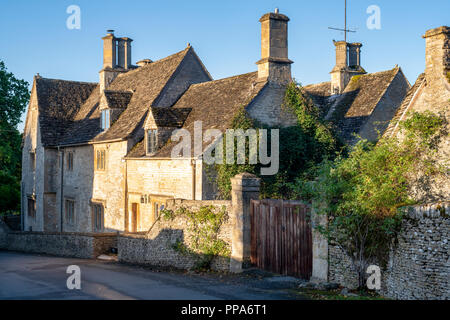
x=30 y=276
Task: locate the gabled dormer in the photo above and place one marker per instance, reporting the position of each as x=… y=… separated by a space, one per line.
x=160 y=124
x=112 y=104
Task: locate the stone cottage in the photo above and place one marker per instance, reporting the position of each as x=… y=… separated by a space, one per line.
x=359 y=104
x=97 y=156
x=431 y=92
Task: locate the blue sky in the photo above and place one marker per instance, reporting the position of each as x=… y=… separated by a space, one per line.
x=225 y=34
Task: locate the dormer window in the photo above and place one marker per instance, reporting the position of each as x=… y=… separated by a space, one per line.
x=105 y=119
x=152 y=141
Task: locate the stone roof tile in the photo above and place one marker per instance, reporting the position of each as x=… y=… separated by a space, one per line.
x=59 y=101
x=215 y=103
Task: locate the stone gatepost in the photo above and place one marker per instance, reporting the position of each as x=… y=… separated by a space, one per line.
x=245 y=187
x=320 y=248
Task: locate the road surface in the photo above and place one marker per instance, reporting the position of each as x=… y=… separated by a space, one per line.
x=31 y=276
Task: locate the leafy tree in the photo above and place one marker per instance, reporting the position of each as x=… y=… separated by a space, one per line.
x=361 y=194
x=14 y=96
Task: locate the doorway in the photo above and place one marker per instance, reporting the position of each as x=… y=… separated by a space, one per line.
x=134 y=217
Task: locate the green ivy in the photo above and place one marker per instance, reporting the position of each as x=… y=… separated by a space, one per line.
x=302 y=147
x=203 y=226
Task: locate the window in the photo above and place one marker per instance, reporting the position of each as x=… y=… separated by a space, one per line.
x=152 y=141
x=32 y=160
x=97 y=211
x=31 y=208
x=70 y=161
x=70 y=211
x=105 y=119
x=100 y=160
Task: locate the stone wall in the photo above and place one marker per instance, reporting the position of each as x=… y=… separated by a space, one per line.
x=3 y=233
x=266 y=107
x=108 y=186
x=419 y=265
x=76 y=245
x=190 y=72
x=77 y=186
x=155 y=248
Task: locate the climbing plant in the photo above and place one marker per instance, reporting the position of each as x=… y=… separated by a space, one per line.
x=203 y=227
x=302 y=146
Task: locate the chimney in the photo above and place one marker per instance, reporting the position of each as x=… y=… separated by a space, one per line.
x=124 y=53
x=274 y=65
x=348 y=64
x=109 y=50
x=354 y=55
x=116 y=58
x=437 y=60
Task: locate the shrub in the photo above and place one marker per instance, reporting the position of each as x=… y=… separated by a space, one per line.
x=361 y=193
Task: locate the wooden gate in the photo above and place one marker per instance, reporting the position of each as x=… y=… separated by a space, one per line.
x=281 y=237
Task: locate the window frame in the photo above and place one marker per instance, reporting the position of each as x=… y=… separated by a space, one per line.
x=98 y=208
x=69 y=211
x=152 y=140
x=31 y=213
x=100 y=160
x=32 y=160
x=69 y=160
x=105 y=119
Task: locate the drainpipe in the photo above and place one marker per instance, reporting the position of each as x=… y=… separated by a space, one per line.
x=22 y=225
x=61 y=152
x=193 y=178
x=126 y=197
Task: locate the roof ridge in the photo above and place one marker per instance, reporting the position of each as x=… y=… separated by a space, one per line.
x=379 y=72
x=118 y=91
x=316 y=84
x=171 y=56
x=224 y=79
x=151 y=65
x=63 y=80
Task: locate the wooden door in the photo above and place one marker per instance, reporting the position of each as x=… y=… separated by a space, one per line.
x=281 y=237
x=134 y=217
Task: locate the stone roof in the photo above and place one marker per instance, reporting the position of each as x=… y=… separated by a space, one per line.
x=86 y=124
x=118 y=99
x=405 y=105
x=146 y=83
x=134 y=91
x=321 y=95
x=59 y=101
x=350 y=110
x=170 y=117
x=215 y=103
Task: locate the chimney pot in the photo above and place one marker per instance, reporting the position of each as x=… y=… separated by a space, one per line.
x=124 y=53
x=348 y=64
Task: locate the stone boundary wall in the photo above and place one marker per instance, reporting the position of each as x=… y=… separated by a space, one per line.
x=155 y=248
x=419 y=264
x=76 y=245
x=3 y=233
